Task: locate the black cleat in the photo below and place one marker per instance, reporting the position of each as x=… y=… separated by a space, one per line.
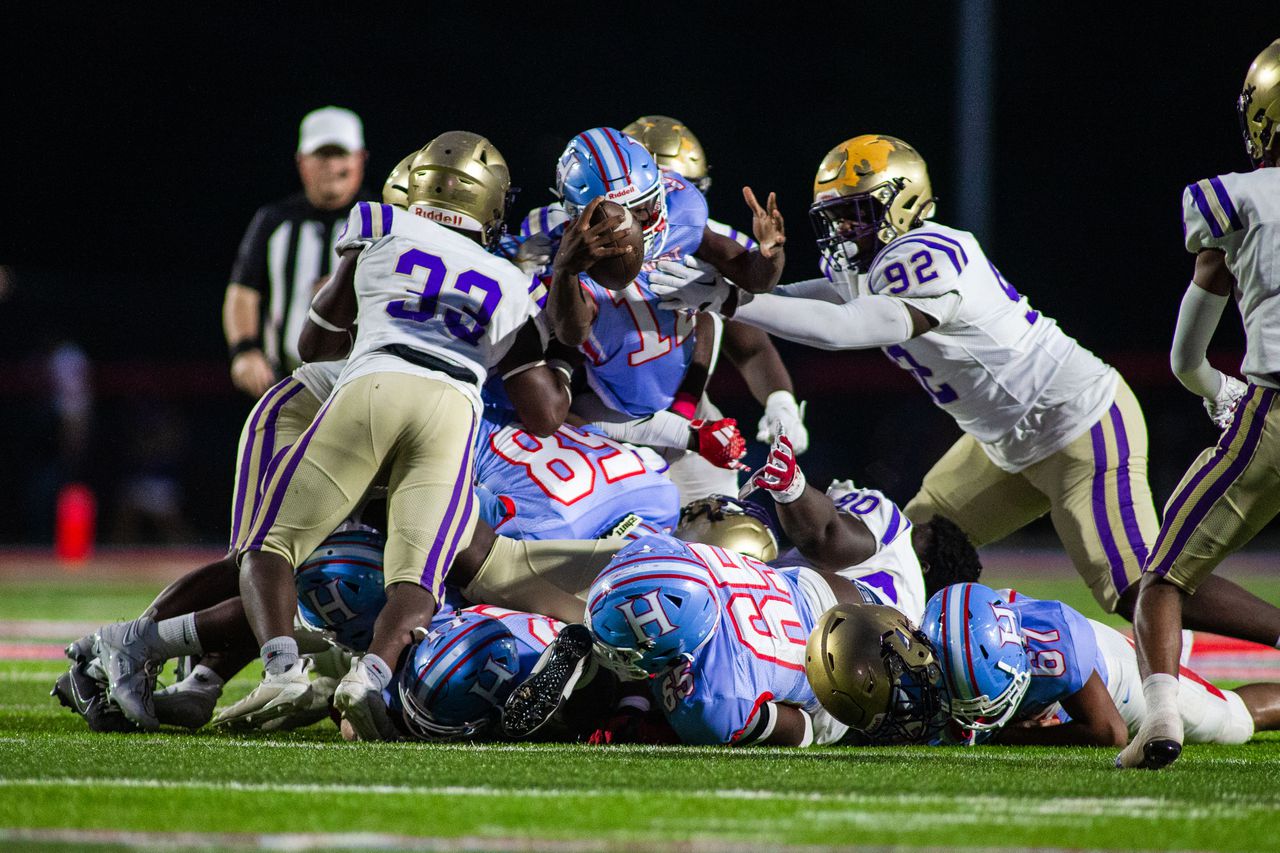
x=1160 y=753
x=84 y=696
x=533 y=703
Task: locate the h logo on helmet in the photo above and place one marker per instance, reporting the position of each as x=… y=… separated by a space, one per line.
x=1004 y=623
x=656 y=613
x=330 y=610
x=501 y=675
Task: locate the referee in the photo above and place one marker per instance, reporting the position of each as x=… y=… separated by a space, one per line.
x=288 y=250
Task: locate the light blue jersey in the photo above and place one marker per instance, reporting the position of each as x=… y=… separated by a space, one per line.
x=1063 y=651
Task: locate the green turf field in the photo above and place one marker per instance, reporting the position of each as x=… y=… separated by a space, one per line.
x=69 y=789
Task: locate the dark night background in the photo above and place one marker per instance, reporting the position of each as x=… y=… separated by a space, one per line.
x=138 y=147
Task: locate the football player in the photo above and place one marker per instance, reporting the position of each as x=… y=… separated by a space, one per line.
x=862 y=535
x=408 y=400
x=1049 y=427
x=1048 y=676
x=1231 y=490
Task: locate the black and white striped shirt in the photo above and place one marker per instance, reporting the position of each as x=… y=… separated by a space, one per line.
x=286 y=250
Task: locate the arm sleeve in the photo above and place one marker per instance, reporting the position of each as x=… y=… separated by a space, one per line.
x=250 y=267
x=1197 y=318
x=661 y=429
x=814 y=288
x=1209 y=215
x=861 y=323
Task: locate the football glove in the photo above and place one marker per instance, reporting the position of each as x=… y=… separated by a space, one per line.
x=690 y=284
x=780 y=476
x=1222 y=408
x=720 y=442
x=783 y=415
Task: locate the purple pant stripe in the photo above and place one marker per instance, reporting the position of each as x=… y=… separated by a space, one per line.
x=1101 y=521
x=1130 y=518
x=242 y=482
x=1214 y=493
x=262 y=524
x=463 y=478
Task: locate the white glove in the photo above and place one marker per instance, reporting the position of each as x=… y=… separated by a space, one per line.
x=691 y=284
x=1223 y=407
x=534 y=254
x=783 y=414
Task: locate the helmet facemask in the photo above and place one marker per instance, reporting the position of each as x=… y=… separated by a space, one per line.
x=852 y=229
x=917 y=711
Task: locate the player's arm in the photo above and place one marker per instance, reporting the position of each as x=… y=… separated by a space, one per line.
x=828 y=538
x=538 y=388
x=569 y=307
x=326 y=336
x=775 y=724
x=861 y=323
x=694 y=383
x=1095 y=721
x=1198 y=317
x=757 y=270
x=757 y=360
x=241 y=320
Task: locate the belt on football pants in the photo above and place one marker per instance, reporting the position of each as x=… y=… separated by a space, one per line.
x=431 y=362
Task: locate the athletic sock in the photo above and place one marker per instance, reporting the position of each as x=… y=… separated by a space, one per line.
x=278 y=654
x=1161 y=692
x=178 y=636
x=203 y=678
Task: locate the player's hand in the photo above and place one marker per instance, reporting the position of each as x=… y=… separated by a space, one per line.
x=252 y=373
x=766 y=223
x=631 y=726
x=1222 y=408
x=780 y=476
x=690 y=284
x=583 y=244
x=534 y=254
x=720 y=442
x=783 y=415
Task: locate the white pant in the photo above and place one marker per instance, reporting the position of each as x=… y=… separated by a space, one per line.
x=1209 y=714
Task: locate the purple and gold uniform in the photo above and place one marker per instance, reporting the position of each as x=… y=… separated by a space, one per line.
x=574 y=484
x=1232 y=489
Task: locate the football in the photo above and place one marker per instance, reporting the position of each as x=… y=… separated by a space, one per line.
x=617 y=272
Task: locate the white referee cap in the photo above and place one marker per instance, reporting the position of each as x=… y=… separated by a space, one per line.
x=330 y=126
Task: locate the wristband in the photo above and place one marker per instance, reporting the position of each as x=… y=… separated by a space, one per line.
x=314 y=317
x=245 y=345
x=563 y=368
x=685 y=405
x=807 y=738
x=635 y=703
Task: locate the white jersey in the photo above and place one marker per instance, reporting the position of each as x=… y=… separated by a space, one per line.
x=319 y=377
x=1240 y=214
x=435 y=293
x=893 y=571
x=1008 y=374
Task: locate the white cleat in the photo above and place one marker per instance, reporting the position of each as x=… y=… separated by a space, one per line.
x=359 y=700
x=322 y=689
x=189 y=703
x=1157 y=744
x=277 y=696
x=127 y=653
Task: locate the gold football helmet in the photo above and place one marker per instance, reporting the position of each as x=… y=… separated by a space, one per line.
x=674 y=147
x=396 y=189
x=730 y=524
x=868 y=190
x=460 y=180
x=1259 y=104
x=876 y=673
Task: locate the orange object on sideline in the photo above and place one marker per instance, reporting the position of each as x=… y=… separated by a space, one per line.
x=74 y=527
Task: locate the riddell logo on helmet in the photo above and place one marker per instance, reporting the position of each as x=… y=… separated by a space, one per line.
x=625 y=192
x=456 y=220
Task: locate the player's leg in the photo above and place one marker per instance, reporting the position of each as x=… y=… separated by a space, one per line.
x=1226 y=496
x=1101 y=502
x=1263 y=702
x=427 y=431
x=966 y=487
x=314 y=486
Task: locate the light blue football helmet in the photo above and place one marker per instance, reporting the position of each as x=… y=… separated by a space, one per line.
x=454 y=682
x=341 y=587
x=606 y=162
x=979 y=641
x=651 y=607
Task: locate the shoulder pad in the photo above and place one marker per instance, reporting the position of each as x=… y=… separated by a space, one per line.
x=367 y=223
x=918 y=264
x=1208 y=214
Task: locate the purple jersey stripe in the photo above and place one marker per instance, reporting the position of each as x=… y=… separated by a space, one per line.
x=386 y=219
x=543 y=222
x=894 y=521
x=1101 y=522
x=1179 y=497
x=366 y=220
x=1215 y=491
x=942 y=247
x=1225 y=200
x=429 y=569
x=264 y=448
x=1131 y=529
x=1205 y=211
x=266 y=518
x=964 y=256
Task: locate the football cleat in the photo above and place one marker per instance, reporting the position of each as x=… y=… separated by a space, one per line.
x=322 y=688
x=126 y=651
x=87 y=697
x=187 y=704
x=531 y=705
x=1157 y=744
x=359 y=700
x=277 y=696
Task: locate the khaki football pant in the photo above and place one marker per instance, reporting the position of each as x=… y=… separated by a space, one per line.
x=422 y=432
x=1095 y=491
x=1227 y=495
